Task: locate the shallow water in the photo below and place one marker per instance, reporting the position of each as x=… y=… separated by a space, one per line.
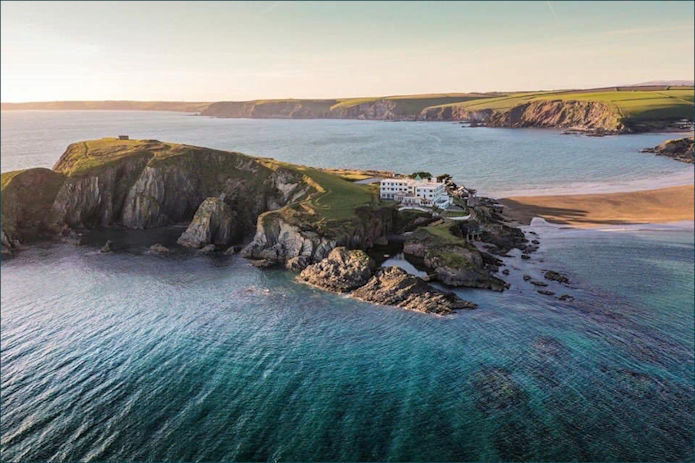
x=132 y=357
x=495 y=161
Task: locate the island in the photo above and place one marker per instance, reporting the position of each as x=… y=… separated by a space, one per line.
x=333 y=231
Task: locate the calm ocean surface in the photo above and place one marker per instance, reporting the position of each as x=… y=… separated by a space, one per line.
x=131 y=357
x=495 y=161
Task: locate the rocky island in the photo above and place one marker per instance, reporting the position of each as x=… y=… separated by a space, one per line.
x=312 y=221
x=680 y=149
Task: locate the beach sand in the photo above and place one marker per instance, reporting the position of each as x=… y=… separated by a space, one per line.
x=672 y=204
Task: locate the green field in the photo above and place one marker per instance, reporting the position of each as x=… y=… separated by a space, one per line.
x=336 y=198
x=412 y=105
x=632 y=104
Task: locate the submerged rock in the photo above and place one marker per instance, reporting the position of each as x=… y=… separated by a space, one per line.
x=342 y=271
x=107 y=247
x=538 y=283
x=496 y=390
x=209 y=249
x=213 y=223
x=566 y=298
x=394 y=286
x=263 y=263
x=545 y=292
x=159 y=249
x=556 y=276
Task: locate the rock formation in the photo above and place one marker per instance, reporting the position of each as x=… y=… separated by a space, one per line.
x=394 y=286
x=680 y=149
x=454 y=263
x=213 y=223
x=140 y=184
x=353 y=271
x=341 y=271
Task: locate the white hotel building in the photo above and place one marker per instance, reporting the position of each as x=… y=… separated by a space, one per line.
x=414 y=192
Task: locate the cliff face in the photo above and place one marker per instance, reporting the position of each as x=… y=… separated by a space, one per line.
x=374 y=110
x=140 y=184
x=283 y=236
x=587 y=115
x=282 y=109
x=27 y=197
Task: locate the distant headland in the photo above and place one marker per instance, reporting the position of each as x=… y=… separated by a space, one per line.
x=598 y=111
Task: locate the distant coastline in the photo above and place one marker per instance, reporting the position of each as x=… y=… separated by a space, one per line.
x=602 y=111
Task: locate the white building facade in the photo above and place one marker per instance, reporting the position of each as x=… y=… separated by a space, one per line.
x=414 y=192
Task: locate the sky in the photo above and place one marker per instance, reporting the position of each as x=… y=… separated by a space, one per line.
x=212 y=51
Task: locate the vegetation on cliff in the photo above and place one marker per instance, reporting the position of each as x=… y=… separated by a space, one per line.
x=148 y=183
x=615 y=109
x=610 y=110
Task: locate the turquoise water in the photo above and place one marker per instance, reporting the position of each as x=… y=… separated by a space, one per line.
x=132 y=357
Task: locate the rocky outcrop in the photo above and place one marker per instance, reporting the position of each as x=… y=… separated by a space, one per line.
x=289 y=233
x=353 y=272
x=213 y=223
x=552 y=275
x=456 y=264
x=342 y=271
x=159 y=249
x=583 y=115
x=140 y=184
x=278 y=240
x=27 y=196
x=382 y=109
x=394 y=286
x=680 y=149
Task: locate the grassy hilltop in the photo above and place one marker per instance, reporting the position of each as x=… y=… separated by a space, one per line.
x=633 y=104
x=316 y=196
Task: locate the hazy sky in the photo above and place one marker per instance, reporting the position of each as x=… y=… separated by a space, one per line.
x=236 y=51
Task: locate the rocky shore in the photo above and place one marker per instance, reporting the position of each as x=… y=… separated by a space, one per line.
x=355 y=273
x=680 y=149
x=306 y=220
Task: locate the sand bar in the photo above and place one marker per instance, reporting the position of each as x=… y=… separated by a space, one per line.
x=663 y=205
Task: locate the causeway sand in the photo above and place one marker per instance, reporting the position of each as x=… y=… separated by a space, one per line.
x=663 y=205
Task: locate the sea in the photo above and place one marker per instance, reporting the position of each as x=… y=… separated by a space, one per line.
x=133 y=357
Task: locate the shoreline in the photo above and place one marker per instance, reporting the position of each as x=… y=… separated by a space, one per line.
x=595 y=210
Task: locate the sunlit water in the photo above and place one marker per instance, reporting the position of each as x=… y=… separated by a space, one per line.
x=496 y=161
x=131 y=357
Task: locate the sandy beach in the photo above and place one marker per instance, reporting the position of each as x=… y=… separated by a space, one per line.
x=672 y=204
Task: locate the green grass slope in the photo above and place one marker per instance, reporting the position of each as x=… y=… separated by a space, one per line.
x=632 y=103
x=335 y=198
